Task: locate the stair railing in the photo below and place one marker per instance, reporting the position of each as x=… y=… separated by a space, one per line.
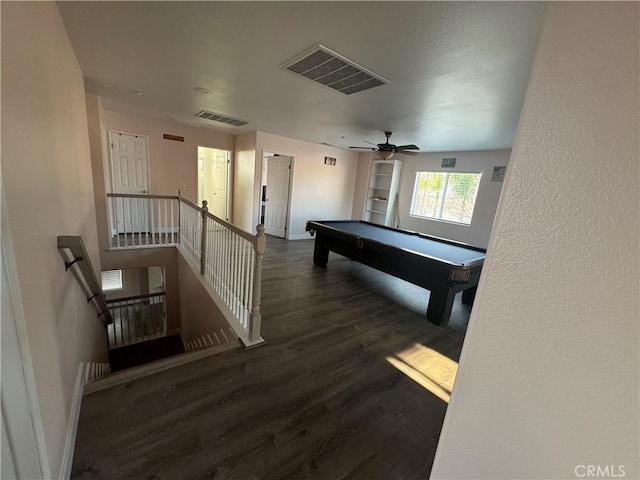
x=228 y=259
x=137 y=318
x=142 y=221
x=230 y=263
x=84 y=273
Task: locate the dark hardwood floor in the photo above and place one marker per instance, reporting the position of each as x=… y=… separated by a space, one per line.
x=328 y=397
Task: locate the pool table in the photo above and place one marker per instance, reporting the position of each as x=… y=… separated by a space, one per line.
x=444 y=267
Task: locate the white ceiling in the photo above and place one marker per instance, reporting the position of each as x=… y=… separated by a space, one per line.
x=457 y=70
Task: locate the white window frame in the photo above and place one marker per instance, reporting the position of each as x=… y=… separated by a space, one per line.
x=105 y=280
x=439 y=218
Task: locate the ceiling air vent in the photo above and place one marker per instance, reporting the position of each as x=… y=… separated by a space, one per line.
x=334 y=71
x=216 y=117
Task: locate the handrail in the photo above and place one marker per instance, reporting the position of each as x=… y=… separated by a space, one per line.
x=141 y=195
x=136 y=297
x=137 y=318
x=81 y=258
x=228 y=267
x=227 y=258
x=234 y=228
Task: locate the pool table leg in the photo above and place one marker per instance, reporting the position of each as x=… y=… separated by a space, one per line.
x=440 y=306
x=469 y=295
x=320 y=253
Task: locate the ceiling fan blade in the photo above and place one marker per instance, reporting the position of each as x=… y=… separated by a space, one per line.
x=370 y=143
x=365 y=148
x=408 y=147
x=408 y=152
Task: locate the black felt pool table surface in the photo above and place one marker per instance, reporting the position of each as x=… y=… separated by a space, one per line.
x=408 y=241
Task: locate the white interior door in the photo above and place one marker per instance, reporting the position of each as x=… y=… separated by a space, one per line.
x=277 y=197
x=213 y=180
x=130 y=175
x=220 y=182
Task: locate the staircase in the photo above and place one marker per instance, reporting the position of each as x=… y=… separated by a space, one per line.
x=139 y=353
x=212 y=339
x=103 y=379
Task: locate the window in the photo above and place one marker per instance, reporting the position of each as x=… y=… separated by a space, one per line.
x=112 y=280
x=445 y=196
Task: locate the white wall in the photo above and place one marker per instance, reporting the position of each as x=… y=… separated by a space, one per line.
x=548 y=376
x=246 y=182
x=361 y=185
x=199 y=313
x=165 y=257
x=172 y=164
x=318 y=191
x=486 y=203
x=467 y=162
x=46 y=173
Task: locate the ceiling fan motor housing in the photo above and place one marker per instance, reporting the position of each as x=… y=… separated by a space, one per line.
x=389 y=149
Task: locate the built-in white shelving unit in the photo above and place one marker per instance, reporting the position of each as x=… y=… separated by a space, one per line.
x=380 y=203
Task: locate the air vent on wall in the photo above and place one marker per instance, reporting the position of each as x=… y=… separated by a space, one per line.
x=216 y=117
x=334 y=71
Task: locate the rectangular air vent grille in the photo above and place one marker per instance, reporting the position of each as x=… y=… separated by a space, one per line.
x=216 y=117
x=334 y=71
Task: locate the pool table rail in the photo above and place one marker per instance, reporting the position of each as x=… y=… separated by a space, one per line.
x=444 y=278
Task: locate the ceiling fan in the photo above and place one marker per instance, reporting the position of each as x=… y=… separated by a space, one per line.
x=386 y=150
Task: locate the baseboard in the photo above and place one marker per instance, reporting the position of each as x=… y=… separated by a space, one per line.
x=72 y=427
x=300 y=236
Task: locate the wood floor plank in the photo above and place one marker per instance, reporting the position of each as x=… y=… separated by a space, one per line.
x=320 y=400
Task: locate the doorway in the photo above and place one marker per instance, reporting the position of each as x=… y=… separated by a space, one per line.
x=275 y=194
x=213 y=180
x=130 y=175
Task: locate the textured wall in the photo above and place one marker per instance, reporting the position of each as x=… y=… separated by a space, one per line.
x=199 y=313
x=172 y=164
x=466 y=162
x=318 y=191
x=46 y=174
x=246 y=182
x=548 y=377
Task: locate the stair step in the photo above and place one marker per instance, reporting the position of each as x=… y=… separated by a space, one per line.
x=212 y=339
x=139 y=353
x=141 y=371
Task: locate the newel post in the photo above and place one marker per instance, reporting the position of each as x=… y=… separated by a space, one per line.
x=255 y=319
x=203 y=239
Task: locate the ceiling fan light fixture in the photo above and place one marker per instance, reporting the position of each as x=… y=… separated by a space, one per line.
x=385 y=155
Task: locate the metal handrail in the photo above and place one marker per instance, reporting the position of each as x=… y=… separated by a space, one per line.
x=81 y=259
x=140 y=195
x=136 y=297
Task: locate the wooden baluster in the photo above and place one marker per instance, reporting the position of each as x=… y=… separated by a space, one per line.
x=178 y=221
x=242 y=293
x=146 y=212
x=255 y=319
x=124 y=225
x=203 y=238
x=133 y=243
x=211 y=255
x=172 y=240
